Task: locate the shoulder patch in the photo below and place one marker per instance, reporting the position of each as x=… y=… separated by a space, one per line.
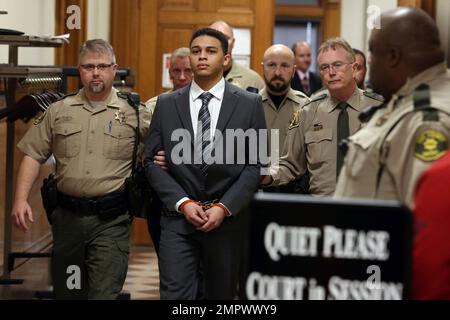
x=39 y=118
x=295 y=120
x=374 y=96
x=431 y=145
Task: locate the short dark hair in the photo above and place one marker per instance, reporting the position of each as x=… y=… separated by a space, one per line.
x=212 y=33
x=362 y=55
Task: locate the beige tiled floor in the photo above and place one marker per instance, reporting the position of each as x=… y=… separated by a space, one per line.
x=142 y=282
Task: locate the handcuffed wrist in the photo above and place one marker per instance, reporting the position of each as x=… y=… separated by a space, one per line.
x=227 y=212
x=185 y=203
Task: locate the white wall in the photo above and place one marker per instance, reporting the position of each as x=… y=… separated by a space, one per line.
x=442 y=14
x=98 y=19
x=37 y=18
x=353 y=20
x=353 y=17
x=34 y=18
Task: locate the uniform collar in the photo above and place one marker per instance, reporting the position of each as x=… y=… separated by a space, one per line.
x=291 y=95
x=423 y=77
x=80 y=99
x=353 y=101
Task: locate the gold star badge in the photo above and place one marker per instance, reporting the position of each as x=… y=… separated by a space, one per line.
x=120 y=116
x=295 y=121
x=431 y=145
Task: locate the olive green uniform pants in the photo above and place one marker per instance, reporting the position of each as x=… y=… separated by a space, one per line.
x=90 y=255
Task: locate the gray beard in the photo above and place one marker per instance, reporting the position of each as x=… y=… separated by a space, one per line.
x=97 y=89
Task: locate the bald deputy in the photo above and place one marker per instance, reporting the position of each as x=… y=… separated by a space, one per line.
x=313 y=136
x=279 y=100
x=410 y=132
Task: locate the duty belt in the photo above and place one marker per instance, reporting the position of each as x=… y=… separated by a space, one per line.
x=109 y=205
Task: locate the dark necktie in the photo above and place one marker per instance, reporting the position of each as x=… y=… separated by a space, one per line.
x=305 y=85
x=203 y=141
x=343 y=131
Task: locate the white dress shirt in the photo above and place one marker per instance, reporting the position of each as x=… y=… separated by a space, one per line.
x=302 y=75
x=195 y=103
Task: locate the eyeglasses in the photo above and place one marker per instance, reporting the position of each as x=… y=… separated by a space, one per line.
x=272 y=66
x=91 y=67
x=337 y=66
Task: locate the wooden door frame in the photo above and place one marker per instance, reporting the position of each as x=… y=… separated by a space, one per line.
x=328 y=12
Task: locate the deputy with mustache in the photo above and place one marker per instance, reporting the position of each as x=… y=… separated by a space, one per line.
x=280 y=101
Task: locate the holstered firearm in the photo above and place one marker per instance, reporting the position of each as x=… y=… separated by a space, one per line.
x=49 y=195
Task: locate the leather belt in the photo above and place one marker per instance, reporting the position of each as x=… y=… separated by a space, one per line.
x=114 y=201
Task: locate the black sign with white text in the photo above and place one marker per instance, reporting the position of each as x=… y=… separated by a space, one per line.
x=307 y=248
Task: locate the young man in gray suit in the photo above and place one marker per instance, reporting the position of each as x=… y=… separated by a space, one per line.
x=211 y=177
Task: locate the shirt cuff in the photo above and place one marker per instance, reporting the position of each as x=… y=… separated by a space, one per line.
x=274 y=172
x=179 y=202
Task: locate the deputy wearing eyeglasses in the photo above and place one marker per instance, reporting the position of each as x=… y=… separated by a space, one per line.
x=312 y=141
x=91 y=135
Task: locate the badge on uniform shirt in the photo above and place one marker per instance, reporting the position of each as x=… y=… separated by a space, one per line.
x=120 y=116
x=317 y=126
x=66 y=118
x=295 y=121
x=39 y=118
x=431 y=145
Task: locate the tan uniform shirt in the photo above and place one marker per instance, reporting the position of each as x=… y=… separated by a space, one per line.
x=244 y=77
x=311 y=143
x=279 y=118
x=151 y=103
x=399 y=140
x=93 y=147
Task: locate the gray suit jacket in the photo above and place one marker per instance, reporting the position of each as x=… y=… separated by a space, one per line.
x=231 y=182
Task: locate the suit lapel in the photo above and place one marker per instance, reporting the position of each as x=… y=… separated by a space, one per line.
x=228 y=106
x=184 y=109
